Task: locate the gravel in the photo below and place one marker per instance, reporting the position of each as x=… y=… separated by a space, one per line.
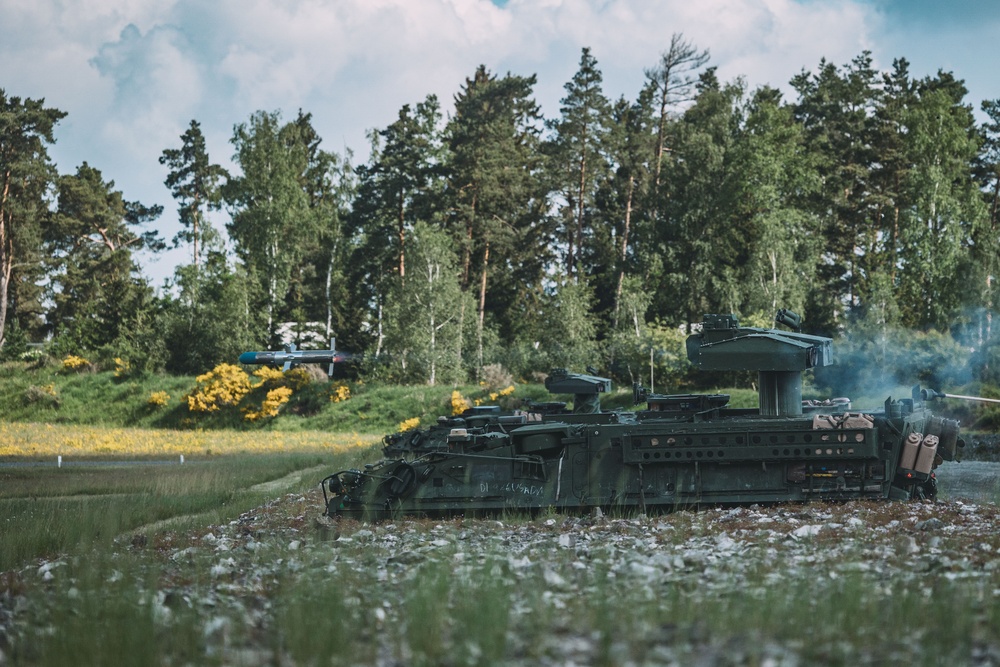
x=550 y=567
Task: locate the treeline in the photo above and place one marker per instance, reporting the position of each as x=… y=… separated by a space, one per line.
x=493 y=235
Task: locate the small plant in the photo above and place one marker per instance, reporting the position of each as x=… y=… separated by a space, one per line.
x=459 y=403
x=45 y=395
x=75 y=364
x=409 y=424
x=494 y=395
x=276 y=398
x=268 y=374
x=122 y=367
x=158 y=399
x=297 y=378
x=495 y=376
x=224 y=385
x=340 y=392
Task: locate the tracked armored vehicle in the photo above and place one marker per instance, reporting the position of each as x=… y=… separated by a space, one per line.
x=680 y=451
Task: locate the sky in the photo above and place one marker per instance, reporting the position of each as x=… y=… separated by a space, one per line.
x=132 y=74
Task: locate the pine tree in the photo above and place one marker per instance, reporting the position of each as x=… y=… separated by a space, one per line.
x=497 y=205
x=26 y=173
x=578 y=156
x=195 y=183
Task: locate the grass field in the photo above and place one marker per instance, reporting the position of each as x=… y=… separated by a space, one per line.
x=226 y=560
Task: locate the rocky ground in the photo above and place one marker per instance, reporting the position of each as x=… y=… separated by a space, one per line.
x=714 y=587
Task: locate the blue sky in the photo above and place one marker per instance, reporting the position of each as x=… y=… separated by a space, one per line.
x=132 y=73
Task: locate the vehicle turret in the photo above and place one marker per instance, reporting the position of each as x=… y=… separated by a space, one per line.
x=779 y=357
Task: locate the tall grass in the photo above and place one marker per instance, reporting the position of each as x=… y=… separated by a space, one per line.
x=333 y=611
x=47 y=511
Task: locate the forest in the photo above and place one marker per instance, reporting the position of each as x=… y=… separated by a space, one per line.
x=491 y=235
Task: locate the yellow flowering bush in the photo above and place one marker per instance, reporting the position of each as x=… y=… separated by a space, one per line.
x=122 y=367
x=272 y=404
x=226 y=384
x=339 y=392
x=158 y=399
x=297 y=378
x=268 y=374
x=409 y=424
x=459 y=403
x=73 y=363
x=494 y=395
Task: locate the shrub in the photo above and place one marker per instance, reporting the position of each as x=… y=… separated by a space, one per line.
x=122 y=367
x=459 y=403
x=75 y=364
x=45 y=395
x=158 y=399
x=495 y=376
x=339 y=392
x=409 y=424
x=298 y=378
x=276 y=398
x=224 y=385
x=269 y=375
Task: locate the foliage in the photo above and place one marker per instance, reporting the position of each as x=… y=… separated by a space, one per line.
x=497 y=236
x=459 y=403
x=224 y=385
x=74 y=363
x=272 y=403
x=495 y=376
x=26 y=127
x=194 y=182
x=44 y=395
x=211 y=320
x=408 y=424
x=423 y=320
x=158 y=399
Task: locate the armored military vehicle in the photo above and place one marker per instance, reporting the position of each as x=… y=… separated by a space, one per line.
x=680 y=451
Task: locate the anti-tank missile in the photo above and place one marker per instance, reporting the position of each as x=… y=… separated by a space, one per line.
x=291 y=357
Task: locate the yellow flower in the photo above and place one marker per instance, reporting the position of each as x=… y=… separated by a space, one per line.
x=225 y=384
x=268 y=374
x=340 y=392
x=459 y=403
x=158 y=399
x=297 y=378
x=271 y=405
x=411 y=423
x=122 y=367
x=51 y=440
x=74 y=363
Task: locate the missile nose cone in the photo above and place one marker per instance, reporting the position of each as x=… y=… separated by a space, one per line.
x=248 y=358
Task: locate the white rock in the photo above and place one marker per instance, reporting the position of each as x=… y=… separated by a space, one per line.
x=809 y=530
x=553 y=579
x=519 y=563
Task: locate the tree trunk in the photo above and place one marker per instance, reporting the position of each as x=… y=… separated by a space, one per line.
x=624 y=248
x=6 y=257
x=401 y=222
x=482 y=307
